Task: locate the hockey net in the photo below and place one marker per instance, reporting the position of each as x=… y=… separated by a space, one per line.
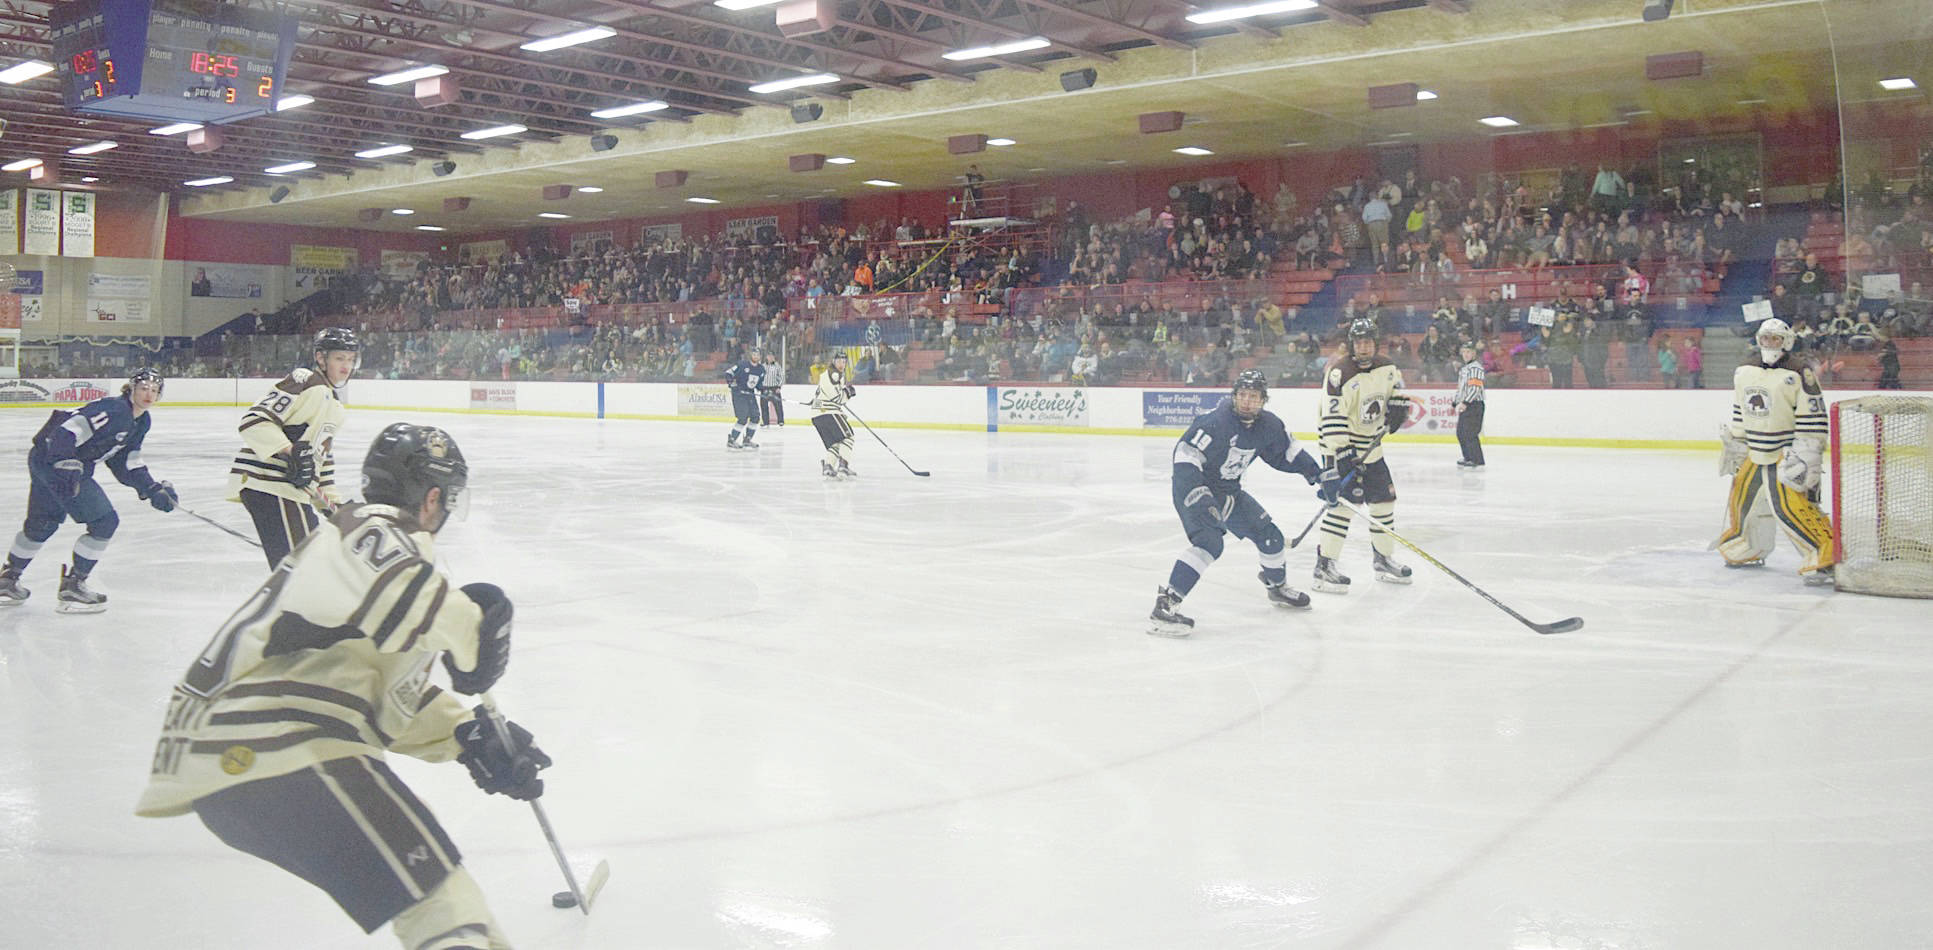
x=1882 y=495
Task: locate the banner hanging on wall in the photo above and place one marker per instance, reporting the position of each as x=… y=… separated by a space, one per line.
x=403 y=263
x=116 y=310
x=584 y=243
x=9 y=221
x=136 y=286
x=318 y=266
x=31 y=283
x=482 y=252
x=42 y=234
x=77 y=224
x=663 y=233
x=228 y=280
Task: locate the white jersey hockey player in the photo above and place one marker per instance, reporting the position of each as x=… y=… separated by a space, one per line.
x=1362 y=400
x=275 y=736
x=829 y=418
x=287 y=465
x=1775 y=452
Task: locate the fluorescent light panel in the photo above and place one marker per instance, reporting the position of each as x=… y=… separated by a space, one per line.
x=1424 y=95
x=297 y=101
x=26 y=69
x=999 y=49
x=1000 y=143
x=21 y=165
x=429 y=227
x=204 y=182
x=702 y=201
x=90 y=149
x=384 y=151
x=794 y=82
x=562 y=40
x=591 y=190
x=290 y=167
x=1193 y=150
x=90 y=178
x=618 y=112
x=1224 y=14
x=408 y=75
x=552 y=214
x=175 y=129
x=406 y=212
x=840 y=160
x=1498 y=121
x=881 y=183
x=744 y=4
x=1898 y=83
x=494 y=132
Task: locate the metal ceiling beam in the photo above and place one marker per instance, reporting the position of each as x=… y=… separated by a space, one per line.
x=928 y=42
x=986 y=22
x=682 y=16
x=249 y=160
x=1338 y=15
x=1451 y=6
x=1159 y=39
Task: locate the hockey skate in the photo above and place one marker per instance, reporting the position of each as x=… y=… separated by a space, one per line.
x=1819 y=578
x=1466 y=463
x=1282 y=595
x=748 y=443
x=1167 y=621
x=11 y=593
x=1390 y=572
x=731 y=441
x=75 y=598
x=1327 y=578
x=845 y=471
x=826 y=468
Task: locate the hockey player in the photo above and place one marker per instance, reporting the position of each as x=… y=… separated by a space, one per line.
x=771 y=395
x=61 y=466
x=286 y=468
x=275 y=736
x=745 y=378
x=1208 y=465
x=1775 y=452
x=1362 y=400
x=829 y=417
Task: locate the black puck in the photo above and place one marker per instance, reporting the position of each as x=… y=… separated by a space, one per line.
x=563 y=899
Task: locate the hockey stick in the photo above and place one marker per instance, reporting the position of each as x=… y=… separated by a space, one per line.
x=218 y=525
x=1562 y=626
x=888 y=448
x=583 y=896
x=1340 y=486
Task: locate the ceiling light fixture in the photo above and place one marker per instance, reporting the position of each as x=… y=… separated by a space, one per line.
x=697 y=200
x=1000 y=143
x=1498 y=121
x=286 y=169
x=1293 y=144
x=840 y=160
x=297 y=101
x=405 y=212
x=1897 y=83
x=90 y=179
x=881 y=183
x=591 y=190
x=384 y=151
x=562 y=40
x=1424 y=95
x=430 y=227
x=999 y=49
x=91 y=148
x=1192 y=150
x=408 y=75
x=205 y=182
x=618 y=112
x=552 y=214
x=794 y=82
x=1224 y=14
x=21 y=165
x=743 y=4
x=175 y=129
x=494 y=132
x=22 y=71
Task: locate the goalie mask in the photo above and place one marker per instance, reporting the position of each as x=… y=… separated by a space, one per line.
x=1774 y=340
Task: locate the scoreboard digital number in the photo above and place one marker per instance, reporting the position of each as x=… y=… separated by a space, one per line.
x=170 y=60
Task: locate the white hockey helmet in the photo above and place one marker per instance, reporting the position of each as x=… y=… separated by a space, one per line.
x=1774 y=340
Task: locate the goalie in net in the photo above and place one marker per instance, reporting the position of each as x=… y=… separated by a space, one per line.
x=1882 y=494
x=1775 y=446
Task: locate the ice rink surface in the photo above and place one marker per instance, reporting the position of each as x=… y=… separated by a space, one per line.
x=901 y=713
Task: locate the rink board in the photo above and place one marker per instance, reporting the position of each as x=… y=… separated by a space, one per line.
x=1686 y=419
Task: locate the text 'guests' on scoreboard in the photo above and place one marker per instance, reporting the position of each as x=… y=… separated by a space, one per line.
x=170 y=60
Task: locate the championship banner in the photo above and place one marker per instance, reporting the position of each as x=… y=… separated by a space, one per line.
x=663 y=233
x=318 y=266
x=585 y=244
x=403 y=263
x=9 y=221
x=137 y=286
x=116 y=310
x=77 y=224
x=43 y=223
x=228 y=280
x=713 y=400
x=736 y=228
x=482 y=252
x=1037 y=406
x=1176 y=409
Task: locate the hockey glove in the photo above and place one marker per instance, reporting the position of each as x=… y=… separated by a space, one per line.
x=1396 y=414
x=1801 y=464
x=1201 y=499
x=851 y=392
x=1330 y=486
x=299 y=470
x=67 y=477
x=162 y=496
x=493 y=641
x=498 y=769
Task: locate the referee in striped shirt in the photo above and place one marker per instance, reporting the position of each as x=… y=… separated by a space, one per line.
x=1469 y=407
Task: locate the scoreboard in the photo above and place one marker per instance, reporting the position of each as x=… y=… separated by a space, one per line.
x=170 y=60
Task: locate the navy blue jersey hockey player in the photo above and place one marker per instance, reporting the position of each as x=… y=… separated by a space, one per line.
x=61 y=464
x=745 y=378
x=1208 y=465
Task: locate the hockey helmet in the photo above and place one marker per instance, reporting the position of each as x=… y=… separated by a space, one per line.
x=1251 y=380
x=330 y=339
x=1774 y=340
x=144 y=375
x=406 y=461
x=1362 y=330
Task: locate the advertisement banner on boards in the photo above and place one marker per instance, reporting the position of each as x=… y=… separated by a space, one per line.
x=493 y=395
x=77 y=224
x=317 y=266
x=227 y=280
x=698 y=400
x=1176 y=408
x=43 y=223
x=1039 y=406
x=116 y=310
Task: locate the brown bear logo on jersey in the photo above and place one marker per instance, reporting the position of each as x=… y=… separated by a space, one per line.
x=1757 y=402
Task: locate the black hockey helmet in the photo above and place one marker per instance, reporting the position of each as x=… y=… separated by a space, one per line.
x=145 y=374
x=330 y=339
x=406 y=461
x=1362 y=330
x=1250 y=379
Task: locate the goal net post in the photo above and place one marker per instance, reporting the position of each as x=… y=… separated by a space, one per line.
x=1882 y=495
